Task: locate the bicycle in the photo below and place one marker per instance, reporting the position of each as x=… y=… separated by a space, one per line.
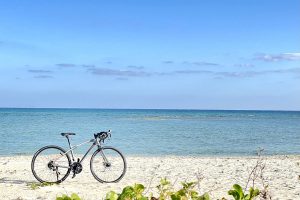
x=52 y=164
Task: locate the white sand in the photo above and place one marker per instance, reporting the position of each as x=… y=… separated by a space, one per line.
x=282 y=174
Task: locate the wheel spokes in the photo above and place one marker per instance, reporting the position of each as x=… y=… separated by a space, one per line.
x=108 y=165
x=51 y=165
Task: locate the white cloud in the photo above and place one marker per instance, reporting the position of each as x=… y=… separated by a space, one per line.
x=278 y=57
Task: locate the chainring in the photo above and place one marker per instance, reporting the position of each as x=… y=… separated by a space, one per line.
x=76 y=167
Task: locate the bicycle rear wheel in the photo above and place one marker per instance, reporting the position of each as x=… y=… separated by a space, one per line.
x=108 y=165
x=50 y=164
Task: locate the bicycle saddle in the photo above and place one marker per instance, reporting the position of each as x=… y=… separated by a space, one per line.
x=67 y=134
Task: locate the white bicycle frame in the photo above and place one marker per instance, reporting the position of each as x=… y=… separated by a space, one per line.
x=71 y=148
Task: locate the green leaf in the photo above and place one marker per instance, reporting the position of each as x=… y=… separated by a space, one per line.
x=164 y=181
x=194 y=194
x=63 y=197
x=256 y=192
x=138 y=188
x=181 y=192
x=253 y=193
x=127 y=193
x=235 y=194
x=111 y=196
x=188 y=185
x=128 y=190
x=247 y=197
x=175 y=197
x=205 y=196
x=75 y=197
x=143 y=198
x=239 y=189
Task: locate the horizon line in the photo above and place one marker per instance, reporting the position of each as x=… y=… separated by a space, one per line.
x=192 y=109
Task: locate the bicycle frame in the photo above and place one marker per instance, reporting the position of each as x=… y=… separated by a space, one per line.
x=71 y=148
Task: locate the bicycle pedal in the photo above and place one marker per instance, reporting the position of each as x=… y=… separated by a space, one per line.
x=74 y=175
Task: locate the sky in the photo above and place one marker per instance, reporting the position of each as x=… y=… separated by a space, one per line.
x=204 y=54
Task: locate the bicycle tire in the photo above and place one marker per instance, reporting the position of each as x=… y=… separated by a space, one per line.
x=105 y=150
x=33 y=163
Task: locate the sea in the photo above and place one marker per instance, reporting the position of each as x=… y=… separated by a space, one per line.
x=151 y=132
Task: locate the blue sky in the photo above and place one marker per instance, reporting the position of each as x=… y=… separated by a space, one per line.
x=150 y=54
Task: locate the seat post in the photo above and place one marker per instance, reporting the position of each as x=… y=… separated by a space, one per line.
x=70 y=147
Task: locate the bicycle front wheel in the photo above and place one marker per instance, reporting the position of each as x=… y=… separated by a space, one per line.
x=51 y=164
x=108 y=165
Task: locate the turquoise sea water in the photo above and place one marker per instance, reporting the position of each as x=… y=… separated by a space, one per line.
x=154 y=132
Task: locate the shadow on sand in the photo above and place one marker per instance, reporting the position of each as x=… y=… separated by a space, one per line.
x=13 y=181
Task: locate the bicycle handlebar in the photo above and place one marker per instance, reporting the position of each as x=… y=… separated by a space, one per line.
x=103 y=135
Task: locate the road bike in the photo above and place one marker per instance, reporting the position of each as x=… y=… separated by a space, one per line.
x=53 y=164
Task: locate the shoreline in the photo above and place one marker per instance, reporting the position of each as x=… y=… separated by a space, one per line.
x=174 y=155
x=219 y=174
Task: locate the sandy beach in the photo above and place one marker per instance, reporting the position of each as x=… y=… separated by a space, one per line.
x=218 y=175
